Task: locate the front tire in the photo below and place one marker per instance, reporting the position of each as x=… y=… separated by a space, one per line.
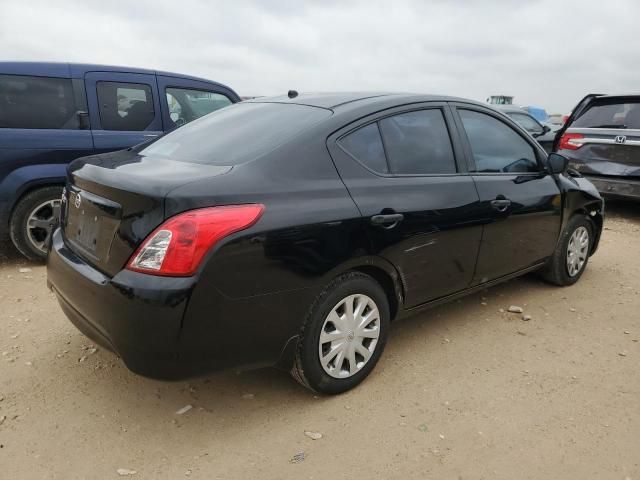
x=33 y=221
x=343 y=335
x=571 y=256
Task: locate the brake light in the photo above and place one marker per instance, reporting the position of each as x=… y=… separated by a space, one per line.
x=568 y=141
x=177 y=247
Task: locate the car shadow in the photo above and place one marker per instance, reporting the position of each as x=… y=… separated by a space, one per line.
x=626 y=209
x=229 y=402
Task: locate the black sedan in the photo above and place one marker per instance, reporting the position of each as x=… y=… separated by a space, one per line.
x=293 y=230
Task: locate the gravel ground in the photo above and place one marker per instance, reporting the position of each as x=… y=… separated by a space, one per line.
x=466 y=390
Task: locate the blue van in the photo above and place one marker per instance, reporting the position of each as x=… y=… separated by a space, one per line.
x=53 y=113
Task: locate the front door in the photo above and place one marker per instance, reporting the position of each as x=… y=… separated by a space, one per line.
x=124 y=109
x=520 y=202
x=417 y=203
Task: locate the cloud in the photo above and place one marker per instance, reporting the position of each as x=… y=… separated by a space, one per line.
x=543 y=52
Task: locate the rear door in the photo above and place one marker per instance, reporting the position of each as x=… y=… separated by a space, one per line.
x=183 y=99
x=418 y=203
x=124 y=109
x=520 y=204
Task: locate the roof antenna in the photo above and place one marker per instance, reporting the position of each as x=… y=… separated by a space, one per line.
x=292 y=94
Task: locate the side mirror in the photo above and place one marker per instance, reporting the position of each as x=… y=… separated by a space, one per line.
x=557 y=163
x=546 y=129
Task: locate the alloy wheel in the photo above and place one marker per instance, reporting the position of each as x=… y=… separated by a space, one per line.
x=41 y=222
x=349 y=336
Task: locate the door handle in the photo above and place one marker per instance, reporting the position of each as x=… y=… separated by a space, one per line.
x=500 y=204
x=387 y=221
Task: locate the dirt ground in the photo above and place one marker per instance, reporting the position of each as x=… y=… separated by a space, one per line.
x=462 y=391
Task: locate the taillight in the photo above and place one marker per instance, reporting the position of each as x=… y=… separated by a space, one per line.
x=177 y=247
x=568 y=141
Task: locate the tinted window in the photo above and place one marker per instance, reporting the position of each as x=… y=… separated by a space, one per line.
x=125 y=106
x=526 y=122
x=36 y=102
x=186 y=105
x=496 y=147
x=418 y=143
x=365 y=145
x=236 y=134
x=610 y=115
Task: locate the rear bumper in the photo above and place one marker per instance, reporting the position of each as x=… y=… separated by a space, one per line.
x=616 y=187
x=173 y=328
x=134 y=315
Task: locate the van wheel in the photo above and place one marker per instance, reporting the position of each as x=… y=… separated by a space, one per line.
x=34 y=219
x=343 y=335
x=570 y=259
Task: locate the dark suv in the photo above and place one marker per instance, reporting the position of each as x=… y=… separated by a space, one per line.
x=53 y=113
x=601 y=139
x=294 y=230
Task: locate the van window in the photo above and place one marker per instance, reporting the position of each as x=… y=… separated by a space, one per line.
x=37 y=102
x=125 y=106
x=186 y=105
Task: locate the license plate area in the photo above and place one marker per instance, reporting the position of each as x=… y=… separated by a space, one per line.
x=90 y=222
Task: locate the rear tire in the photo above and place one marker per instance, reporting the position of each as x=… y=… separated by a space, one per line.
x=569 y=261
x=33 y=220
x=343 y=336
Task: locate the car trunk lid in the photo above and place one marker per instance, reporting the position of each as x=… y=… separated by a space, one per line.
x=113 y=201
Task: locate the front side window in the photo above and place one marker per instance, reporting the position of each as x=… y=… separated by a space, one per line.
x=125 y=106
x=496 y=147
x=37 y=102
x=186 y=104
x=418 y=143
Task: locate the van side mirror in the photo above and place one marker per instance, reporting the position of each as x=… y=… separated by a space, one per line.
x=546 y=129
x=557 y=163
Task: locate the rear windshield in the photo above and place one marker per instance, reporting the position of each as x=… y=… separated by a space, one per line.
x=236 y=134
x=610 y=115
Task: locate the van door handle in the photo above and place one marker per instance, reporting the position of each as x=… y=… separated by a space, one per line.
x=387 y=221
x=501 y=204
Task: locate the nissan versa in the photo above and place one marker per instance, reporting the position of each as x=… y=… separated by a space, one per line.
x=296 y=233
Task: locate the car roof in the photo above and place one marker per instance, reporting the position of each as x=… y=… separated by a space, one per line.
x=77 y=70
x=346 y=100
x=635 y=96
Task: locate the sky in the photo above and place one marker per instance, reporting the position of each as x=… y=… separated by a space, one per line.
x=548 y=53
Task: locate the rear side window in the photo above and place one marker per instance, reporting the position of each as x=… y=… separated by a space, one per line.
x=125 y=106
x=610 y=115
x=418 y=143
x=496 y=147
x=37 y=102
x=186 y=105
x=236 y=134
x=412 y=143
x=365 y=145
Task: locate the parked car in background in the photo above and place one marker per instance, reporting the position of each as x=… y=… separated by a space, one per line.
x=544 y=134
x=601 y=139
x=53 y=113
x=539 y=113
x=557 y=119
x=292 y=231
